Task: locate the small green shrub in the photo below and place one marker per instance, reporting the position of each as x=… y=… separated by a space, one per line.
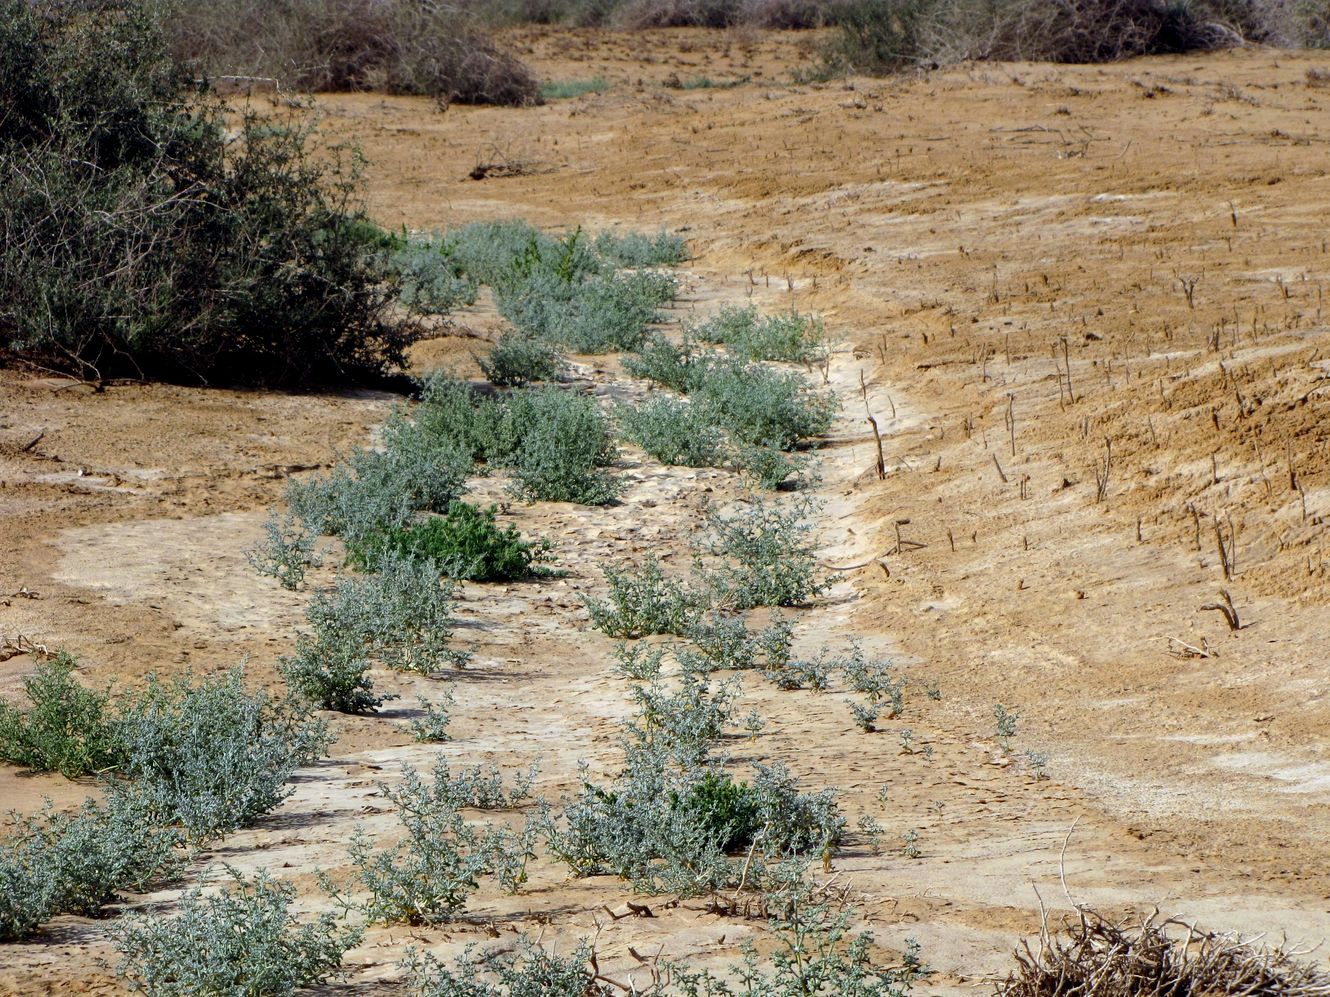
x=673 y=432
x=556 y=443
x=599 y=314
x=637 y=249
x=790 y=336
x=429 y=275
x=465 y=543
x=452 y=414
x=431 y=727
x=772 y=469
x=244 y=942
x=679 y=367
x=328 y=676
x=566 y=89
x=400 y=615
x=516 y=360
x=287 y=550
x=67 y=728
x=767 y=556
x=209 y=757
x=427 y=877
x=488 y=251
x=373 y=490
x=642 y=602
x=76 y=863
x=479 y=787
x=530 y=972
x=763 y=406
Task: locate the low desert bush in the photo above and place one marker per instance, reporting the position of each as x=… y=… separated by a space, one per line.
x=208 y=757
x=66 y=728
x=479 y=787
x=452 y=413
x=680 y=367
x=556 y=444
x=528 y=972
x=673 y=432
x=373 y=490
x=466 y=542
x=286 y=552
x=429 y=274
x=771 y=469
x=399 y=615
x=567 y=89
x=766 y=556
x=141 y=238
x=76 y=863
x=431 y=726
x=787 y=336
x=763 y=406
x=637 y=249
x=428 y=876
x=242 y=942
x=397 y=46
x=602 y=313
x=516 y=360
x=641 y=602
x=327 y=676
x=488 y=251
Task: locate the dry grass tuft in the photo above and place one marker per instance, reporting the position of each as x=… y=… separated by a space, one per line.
x=1156 y=958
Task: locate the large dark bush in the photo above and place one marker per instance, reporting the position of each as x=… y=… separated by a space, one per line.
x=401 y=46
x=139 y=235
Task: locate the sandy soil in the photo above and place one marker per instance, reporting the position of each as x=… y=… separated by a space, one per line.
x=1045 y=276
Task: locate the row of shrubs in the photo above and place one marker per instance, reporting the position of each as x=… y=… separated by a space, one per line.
x=182 y=763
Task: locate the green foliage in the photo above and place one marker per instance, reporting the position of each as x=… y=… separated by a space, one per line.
x=772 y=469
x=431 y=727
x=244 y=942
x=488 y=251
x=767 y=556
x=673 y=432
x=287 y=550
x=53 y=863
x=429 y=275
x=516 y=360
x=67 y=728
x=1005 y=726
x=556 y=444
x=565 y=89
x=427 y=877
x=764 y=406
x=329 y=677
x=452 y=414
x=374 y=490
x=531 y=972
x=789 y=336
x=637 y=249
x=140 y=239
x=642 y=602
x=465 y=543
x=400 y=615
x=720 y=808
x=680 y=367
x=599 y=313
x=209 y=757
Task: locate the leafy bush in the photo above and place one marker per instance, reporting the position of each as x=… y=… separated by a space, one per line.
x=790 y=336
x=432 y=725
x=464 y=543
x=637 y=249
x=556 y=443
x=53 y=863
x=679 y=367
x=401 y=615
x=642 y=602
x=479 y=787
x=566 y=89
x=395 y=46
x=373 y=490
x=67 y=729
x=768 y=556
x=724 y=643
x=516 y=360
x=772 y=469
x=488 y=251
x=452 y=413
x=427 y=877
x=287 y=550
x=602 y=313
x=763 y=406
x=209 y=757
x=141 y=240
x=429 y=275
x=673 y=432
x=532 y=972
x=244 y=942
x=328 y=676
